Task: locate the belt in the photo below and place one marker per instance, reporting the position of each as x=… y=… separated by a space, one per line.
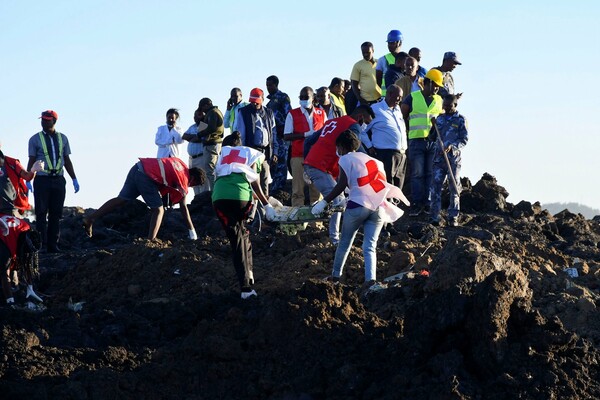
x=197 y=155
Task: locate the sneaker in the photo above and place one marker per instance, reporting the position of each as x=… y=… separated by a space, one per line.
x=453 y=222
x=247 y=295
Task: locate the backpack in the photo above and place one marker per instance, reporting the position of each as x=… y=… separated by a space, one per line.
x=21 y=202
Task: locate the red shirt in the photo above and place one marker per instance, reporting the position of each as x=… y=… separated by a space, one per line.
x=322 y=154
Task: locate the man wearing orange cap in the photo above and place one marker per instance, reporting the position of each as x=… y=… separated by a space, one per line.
x=49 y=185
x=256 y=125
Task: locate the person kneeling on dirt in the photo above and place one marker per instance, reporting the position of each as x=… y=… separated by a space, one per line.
x=19 y=247
x=153 y=178
x=237 y=182
x=367 y=204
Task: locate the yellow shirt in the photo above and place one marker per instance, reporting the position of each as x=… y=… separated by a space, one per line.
x=364 y=73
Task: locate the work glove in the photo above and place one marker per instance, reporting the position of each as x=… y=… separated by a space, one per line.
x=319 y=207
x=269 y=212
x=275 y=203
x=76 y=185
x=31 y=293
x=29 y=186
x=339 y=202
x=37 y=166
x=306 y=178
x=192 y=234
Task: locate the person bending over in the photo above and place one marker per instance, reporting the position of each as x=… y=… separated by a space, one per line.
x=153 y=178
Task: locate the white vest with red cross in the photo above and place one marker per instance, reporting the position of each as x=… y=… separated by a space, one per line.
x=368 y=185
x=239 y=159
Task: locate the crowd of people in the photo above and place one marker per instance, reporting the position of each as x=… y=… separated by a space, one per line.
x=392 y=126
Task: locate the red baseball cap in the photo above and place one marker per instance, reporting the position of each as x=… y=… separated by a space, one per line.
x=49 y=114
x=256 y=96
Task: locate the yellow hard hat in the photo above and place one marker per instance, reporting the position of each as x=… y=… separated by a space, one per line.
x=436 y=76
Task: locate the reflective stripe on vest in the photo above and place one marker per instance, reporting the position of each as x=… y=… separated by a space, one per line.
x=163 y=174
x=391 y=59
x=420 y=116
x=49 y=168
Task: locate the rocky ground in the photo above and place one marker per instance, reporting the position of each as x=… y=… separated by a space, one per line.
x=496 y=317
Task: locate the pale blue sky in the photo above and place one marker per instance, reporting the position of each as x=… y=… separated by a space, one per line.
x=111 y=69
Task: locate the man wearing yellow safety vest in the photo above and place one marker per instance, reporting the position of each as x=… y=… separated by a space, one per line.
x=394 y=43
x=49 y=189
x=417 y=109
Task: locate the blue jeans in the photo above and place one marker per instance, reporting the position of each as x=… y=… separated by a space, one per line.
x=420 y=157
x=353 y=219
x=325 y=184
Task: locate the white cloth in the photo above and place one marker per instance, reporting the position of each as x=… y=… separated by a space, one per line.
x=368 y=186
x=168 y=141
x=239 y=159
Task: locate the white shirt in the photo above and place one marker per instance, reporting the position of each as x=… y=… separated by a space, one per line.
x=168 y=141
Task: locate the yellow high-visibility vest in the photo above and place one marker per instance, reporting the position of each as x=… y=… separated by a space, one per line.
x=391 y=60
x=420 y=117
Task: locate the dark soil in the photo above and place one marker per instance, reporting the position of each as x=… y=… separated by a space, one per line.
x=497 y=317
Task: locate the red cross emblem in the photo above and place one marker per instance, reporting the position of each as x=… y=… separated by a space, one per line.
x=233 y=157
x=373 y=177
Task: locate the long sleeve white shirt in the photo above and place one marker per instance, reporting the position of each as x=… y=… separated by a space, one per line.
x=168 y=141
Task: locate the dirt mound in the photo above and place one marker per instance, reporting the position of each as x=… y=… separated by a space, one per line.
x=495 y=317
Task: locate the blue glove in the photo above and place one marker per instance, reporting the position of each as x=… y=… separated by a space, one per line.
x=76 y=185
x=29 y=186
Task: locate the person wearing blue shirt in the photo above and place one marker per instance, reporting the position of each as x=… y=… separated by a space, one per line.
x=387 y=141
x=453 y=130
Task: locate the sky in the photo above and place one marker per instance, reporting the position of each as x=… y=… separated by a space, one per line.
x=111 y=69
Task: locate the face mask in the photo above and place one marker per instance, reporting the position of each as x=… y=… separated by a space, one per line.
x=305 y=103
x=363 y=126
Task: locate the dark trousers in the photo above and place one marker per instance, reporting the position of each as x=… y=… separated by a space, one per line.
x=49 y=195
x=394 y=164
x=233 y=215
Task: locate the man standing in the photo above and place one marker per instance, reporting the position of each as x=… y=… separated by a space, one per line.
x=256 y=125
x=394 y=43
x=418 y=108
x=448 y=64
x=279 y=104
x=411 y=82
x=324 y=101
x=53 y=148
x=321 y=161
x=300 y=123
x=195 y=148
x=364 y=82
x=338 y=89
x=415 y=53
x=388 y=136
x=233 y=105
x=212 y=137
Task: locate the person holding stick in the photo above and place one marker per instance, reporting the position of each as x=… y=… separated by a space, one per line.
x=452 y=136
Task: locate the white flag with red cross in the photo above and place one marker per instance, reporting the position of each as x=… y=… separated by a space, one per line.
x=239 y=160
x=369 y=187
